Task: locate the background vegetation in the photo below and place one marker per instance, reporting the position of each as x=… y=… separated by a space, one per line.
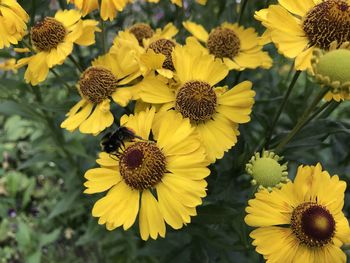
x=44 y=215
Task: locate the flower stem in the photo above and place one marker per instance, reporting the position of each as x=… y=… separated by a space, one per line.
x=75 y=62
x=57 y=75
x=283 y=104
x=305 y=119
x=103 y=32
x=241 y=11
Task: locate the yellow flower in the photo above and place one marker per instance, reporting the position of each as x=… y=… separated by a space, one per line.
x=237 y=46
x=151 y=49
x=298 y=26
x=13 y=21
x=161 y=179
x=97 y=85
x=179 y=2
x=303 y=221
x=8 y=65
x=53 y=40
x=214 y=112
x=109 y=8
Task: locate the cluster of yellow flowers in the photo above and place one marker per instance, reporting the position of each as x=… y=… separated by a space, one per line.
x=184 y=119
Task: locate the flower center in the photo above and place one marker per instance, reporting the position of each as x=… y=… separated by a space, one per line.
x=47 y=34
x=196 y=100
x=327 y=22
x=141 y=31
x=97 y=84
x=165 y=47
x=313 y=224
x=142 y=165
x=223 y=43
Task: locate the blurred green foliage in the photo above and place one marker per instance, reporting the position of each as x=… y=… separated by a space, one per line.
x=44 y=215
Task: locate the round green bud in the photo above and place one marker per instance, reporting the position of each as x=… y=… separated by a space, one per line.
x=335 y=64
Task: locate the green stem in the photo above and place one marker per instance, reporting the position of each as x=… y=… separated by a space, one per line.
x=75 y=62
x=242 y=8
x=281 y=108
x=305 y=119
x=63 y=4
x=57 y=75
x=58 y=138
x=333 y=106
x=239 y=73
x=32 y=14
x=319 y=110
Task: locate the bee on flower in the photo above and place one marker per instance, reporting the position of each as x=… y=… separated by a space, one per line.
x=160 y=178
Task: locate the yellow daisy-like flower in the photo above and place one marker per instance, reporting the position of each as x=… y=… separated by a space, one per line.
x=152 y=49
x=214 y=112
x=109 y=8
x=298 y=26
x=179 y=2
x=13 y=19
x=303 y=221
x=53 y=40
x=238 y=47
x=97 y=86
x=161 y=179
x=8 y=65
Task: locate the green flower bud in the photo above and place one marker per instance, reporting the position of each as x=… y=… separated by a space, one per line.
x=266 y=170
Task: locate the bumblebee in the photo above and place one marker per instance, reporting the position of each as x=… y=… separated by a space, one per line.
x=112 y=142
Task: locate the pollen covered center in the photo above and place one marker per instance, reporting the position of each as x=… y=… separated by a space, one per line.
x=141 y=31
x=223 y=43
x=196 y=100
x=313 y=224
x=327 y=22
x=142 y=165
x=165 y=47
x=97 y=84
x=47 y=34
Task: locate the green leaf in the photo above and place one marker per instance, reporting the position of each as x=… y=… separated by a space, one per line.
x=10 y=108
x=64 y=205
x=46 y=239
x=23 y=236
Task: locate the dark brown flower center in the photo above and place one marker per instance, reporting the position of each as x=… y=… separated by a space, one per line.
x=326 y=22
x=142 y=165
x=141 y=31
x=47 y=34
x=97 y=84
x=223 y=43
x=165 y=47
x=313 y=224
x=196 y=100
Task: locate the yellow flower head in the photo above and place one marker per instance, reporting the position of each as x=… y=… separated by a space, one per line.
x=331 y=69
x=179 y=2
x=13 y=21
x=214 y=112
x=297 y=27
x=53 y=39
x=99 y=84
x=303 y=221
x=8 y=65
x=151 y=49
x=109 y=8
x=159 y=179
x=237 y=46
